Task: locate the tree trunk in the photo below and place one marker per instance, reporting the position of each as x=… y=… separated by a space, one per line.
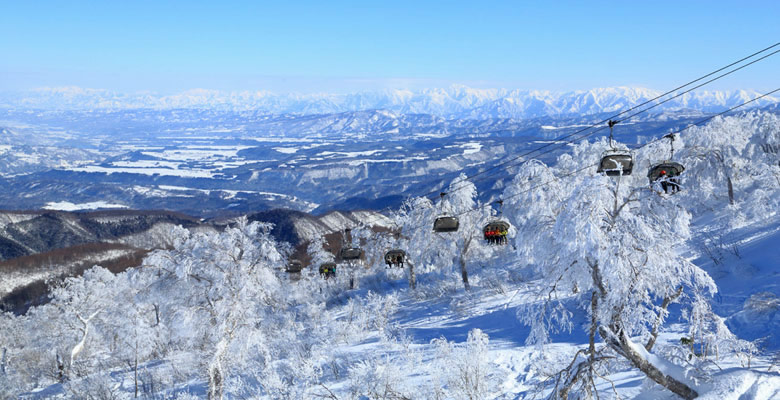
x=80 y=345
x=633 y=352
x=135 y=368
x=352 y=272
x=412 y=276
x=594 y=306
x=731 y=191
x=83 y=342
x=2 y=360
x=216 y=382
x=61 y=375
x=464 y=273
x=156 y=314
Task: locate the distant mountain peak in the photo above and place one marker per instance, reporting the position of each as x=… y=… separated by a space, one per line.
x=456 y=101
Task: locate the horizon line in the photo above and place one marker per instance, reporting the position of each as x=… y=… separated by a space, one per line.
x=85 y=90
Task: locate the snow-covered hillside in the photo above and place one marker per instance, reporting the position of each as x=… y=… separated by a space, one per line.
x=453 y=102
x=607 y=288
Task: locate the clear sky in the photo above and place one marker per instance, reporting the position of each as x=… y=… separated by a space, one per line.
x=340 y=46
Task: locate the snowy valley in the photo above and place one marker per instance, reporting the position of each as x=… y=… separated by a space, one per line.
x=212 y=162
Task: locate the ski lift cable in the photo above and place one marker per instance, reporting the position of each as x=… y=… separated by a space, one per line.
x=507 y=164
x=702 y=84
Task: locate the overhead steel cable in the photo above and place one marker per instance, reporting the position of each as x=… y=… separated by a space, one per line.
x=557 y=141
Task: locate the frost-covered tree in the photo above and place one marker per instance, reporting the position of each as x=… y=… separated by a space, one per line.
x=138 y=331
x=464 y=370
x=227 y=288
x=413 y=219
x=614 y=253
x=735 y=158
x=440 y=251
x=80 y=301
x=316 y=250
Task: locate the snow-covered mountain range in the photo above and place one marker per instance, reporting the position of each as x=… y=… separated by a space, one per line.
x=453 y=102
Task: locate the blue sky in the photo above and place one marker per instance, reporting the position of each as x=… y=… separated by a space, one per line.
x=341 y=46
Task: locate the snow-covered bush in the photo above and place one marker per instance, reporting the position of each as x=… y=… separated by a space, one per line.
x=379 y=378
x=465 y=369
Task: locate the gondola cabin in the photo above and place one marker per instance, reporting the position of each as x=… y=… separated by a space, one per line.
x=495 y=232
x=667 y=174
x=328 y=270
x=395 y=258
x=294 y=266
x=616 y=163
x=446 y=224
x=350 y=253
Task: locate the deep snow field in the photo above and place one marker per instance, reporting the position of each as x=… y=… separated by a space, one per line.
x=207 y=315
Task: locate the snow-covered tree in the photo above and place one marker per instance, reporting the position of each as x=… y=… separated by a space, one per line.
x=138 y=331
x=440 y=251
x=614 y=253
x=464 y=370
x=227 y=287
x=316 y=250
x=81 y=301
x=734 y=160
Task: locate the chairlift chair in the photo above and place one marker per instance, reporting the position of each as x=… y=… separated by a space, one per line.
x=294 y=266
x=328 y=270
x=615 y=162
x=668 y=172
x=495 y=232
x=395 y=257
x=350 y=253
x=445 y=223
